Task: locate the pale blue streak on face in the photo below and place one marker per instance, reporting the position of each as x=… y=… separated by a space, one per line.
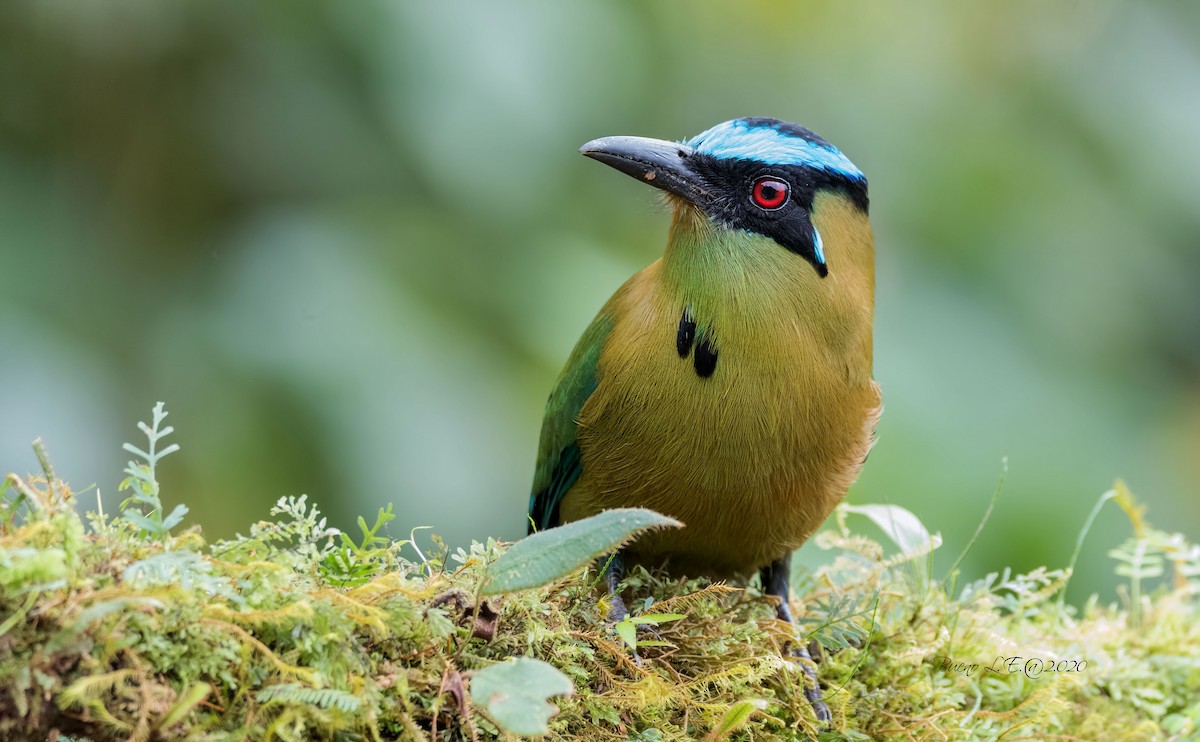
x=738 y=140
x=818 y=248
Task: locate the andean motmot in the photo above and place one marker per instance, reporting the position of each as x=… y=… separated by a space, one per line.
x=729 y=383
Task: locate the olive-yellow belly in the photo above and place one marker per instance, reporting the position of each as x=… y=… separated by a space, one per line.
x=752 y=459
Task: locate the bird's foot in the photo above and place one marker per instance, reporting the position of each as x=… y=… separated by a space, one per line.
x=617 y=612
x=617 y=623
x=816 y=652
x=813 y=694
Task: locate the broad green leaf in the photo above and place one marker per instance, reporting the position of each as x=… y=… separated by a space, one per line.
x=549 y=555
x=900 y=525
x=737 y=715
x=656 y=618
x=627 y=630
x=515 y=694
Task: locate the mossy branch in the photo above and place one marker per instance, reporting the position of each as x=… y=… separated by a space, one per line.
x=295 y=631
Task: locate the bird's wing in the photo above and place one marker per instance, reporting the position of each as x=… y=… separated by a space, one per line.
x=559 y=461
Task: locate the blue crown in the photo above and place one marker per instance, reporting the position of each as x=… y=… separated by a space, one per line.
x=773 y=142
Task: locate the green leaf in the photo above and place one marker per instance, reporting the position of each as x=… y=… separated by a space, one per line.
x=187 y=701
x=144 y=524
x=737 y=715
x=627 y=630
x=175 y=517
x=515 y=694
x=901 y=526
x=656 y=618
x=549 y=555
x=140 y=499
x=136 y=451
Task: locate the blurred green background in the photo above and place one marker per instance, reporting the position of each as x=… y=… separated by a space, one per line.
x=351 y=244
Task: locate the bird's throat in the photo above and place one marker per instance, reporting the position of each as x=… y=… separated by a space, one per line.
x=728 y=279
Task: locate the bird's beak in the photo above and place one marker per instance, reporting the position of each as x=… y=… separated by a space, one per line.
x=654 y=161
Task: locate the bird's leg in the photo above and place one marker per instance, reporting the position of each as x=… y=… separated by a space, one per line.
x=614 y=569
x=775 y=578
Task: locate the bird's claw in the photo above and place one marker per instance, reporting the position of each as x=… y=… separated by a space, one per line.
x=813 y=694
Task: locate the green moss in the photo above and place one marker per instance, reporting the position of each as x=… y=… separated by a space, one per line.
x=295 y=631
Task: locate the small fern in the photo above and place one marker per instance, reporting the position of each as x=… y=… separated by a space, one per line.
x=1184 y=558
x=1138 y=559
x=301 y=536
x=352 y=564
x=839 y=622
x=91 y=687
x=326 y=698
x=143 y=481
x=1018 y=594
x=182 y=567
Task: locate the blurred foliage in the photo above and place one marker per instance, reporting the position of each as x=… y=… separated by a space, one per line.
x=351 y=244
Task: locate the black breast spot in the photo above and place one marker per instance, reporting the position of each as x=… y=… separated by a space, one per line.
x=706 y=358
x=685 y=335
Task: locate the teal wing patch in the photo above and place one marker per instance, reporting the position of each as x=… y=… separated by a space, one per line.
x=560 y=461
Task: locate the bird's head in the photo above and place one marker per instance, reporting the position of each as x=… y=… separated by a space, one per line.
x=753 y=174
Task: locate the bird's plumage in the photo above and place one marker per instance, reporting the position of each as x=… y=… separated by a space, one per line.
x=729 y=383
x=559 y=462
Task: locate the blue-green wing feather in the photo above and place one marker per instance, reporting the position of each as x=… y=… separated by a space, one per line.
x=559 y=461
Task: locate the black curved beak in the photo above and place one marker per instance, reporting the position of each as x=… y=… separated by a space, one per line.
x=659 y=163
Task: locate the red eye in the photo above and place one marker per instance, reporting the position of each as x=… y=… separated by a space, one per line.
x=770 y=193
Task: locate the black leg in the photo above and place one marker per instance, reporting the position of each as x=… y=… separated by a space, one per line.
x=775 y=582
x=614 y=569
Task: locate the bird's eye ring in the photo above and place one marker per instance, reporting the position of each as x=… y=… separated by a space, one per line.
x=769 y=193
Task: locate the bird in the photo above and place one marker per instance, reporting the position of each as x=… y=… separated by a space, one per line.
x=729 y=384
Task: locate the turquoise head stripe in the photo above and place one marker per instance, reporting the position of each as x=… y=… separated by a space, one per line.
x=738 y=140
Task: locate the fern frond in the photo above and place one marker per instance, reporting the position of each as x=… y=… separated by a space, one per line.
x=90 y=687
x=326 y=698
